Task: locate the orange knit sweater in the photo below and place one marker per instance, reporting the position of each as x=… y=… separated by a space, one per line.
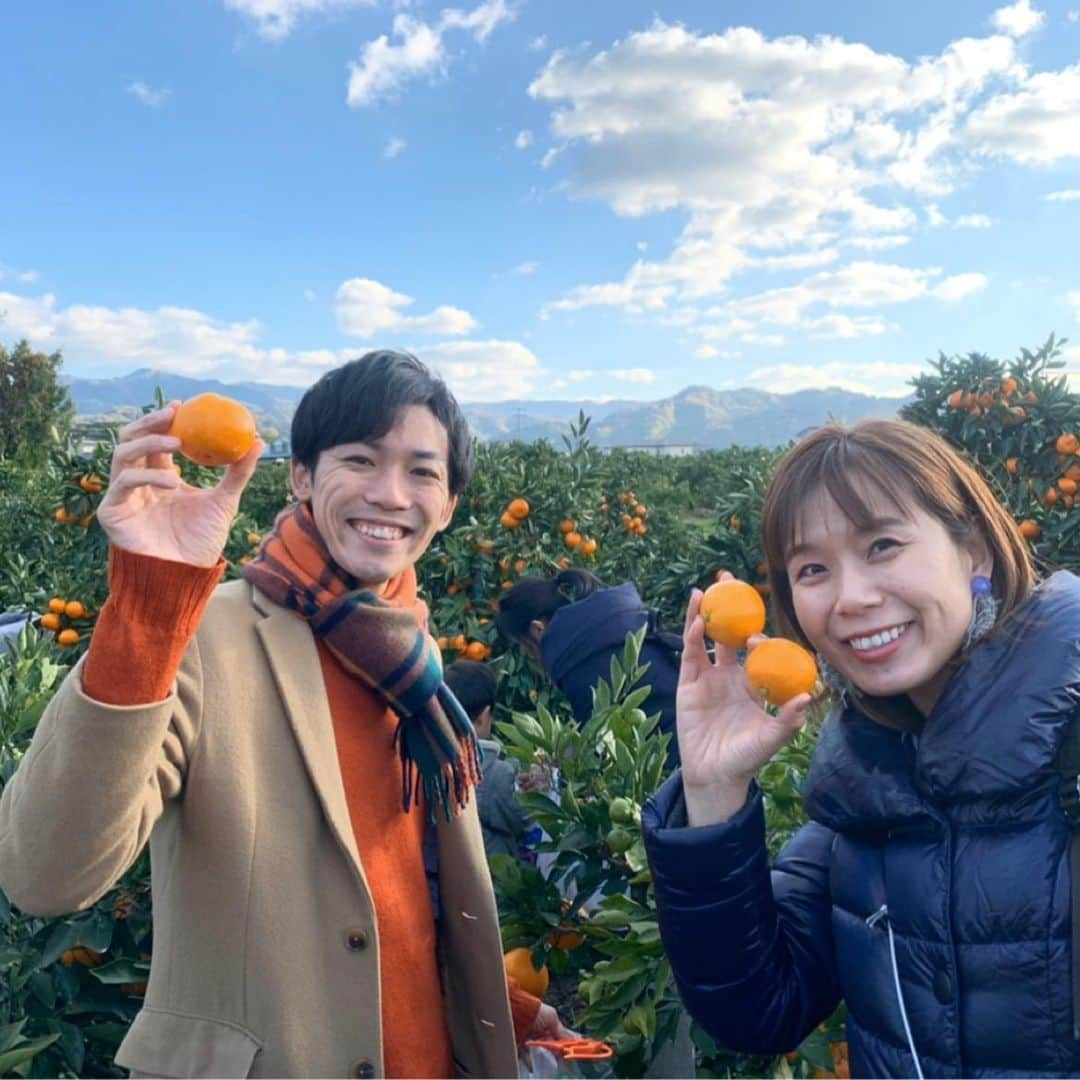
x=147 y=595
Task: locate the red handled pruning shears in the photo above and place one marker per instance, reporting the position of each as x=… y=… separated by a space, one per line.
x=575 y=1049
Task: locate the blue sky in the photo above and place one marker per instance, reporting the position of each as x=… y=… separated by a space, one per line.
x=542 y=198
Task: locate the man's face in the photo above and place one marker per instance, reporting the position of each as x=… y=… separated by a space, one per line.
x=379 y=504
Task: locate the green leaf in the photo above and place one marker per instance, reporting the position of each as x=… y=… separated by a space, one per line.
x=122 y=970
x=10 y=1034
x=10 y=1060
x=64 y=936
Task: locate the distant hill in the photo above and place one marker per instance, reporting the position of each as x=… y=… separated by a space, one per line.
x=698 y=415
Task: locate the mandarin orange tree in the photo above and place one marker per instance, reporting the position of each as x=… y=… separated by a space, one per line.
x=1020 y=422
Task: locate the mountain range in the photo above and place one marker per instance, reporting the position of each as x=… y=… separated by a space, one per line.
x=697 y=416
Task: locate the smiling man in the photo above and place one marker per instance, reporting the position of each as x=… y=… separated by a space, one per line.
x=322 y=904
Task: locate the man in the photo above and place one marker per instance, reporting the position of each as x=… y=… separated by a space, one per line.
x=502 y=817
x=321 y=901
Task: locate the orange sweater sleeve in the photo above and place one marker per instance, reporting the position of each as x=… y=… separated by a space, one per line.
x=144 y=627
x=524 y=1009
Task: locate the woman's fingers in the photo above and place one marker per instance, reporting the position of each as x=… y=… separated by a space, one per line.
x=792 y=716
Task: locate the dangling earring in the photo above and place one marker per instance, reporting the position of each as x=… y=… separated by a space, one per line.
x=839 y=684
x=984 y=611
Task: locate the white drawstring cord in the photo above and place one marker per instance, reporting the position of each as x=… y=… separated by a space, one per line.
x=883 y=913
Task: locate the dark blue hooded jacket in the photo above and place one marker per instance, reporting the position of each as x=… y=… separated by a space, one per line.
x=581 y=639
x=930 y=890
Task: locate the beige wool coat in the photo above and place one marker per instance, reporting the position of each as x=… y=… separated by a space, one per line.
x=266 y=944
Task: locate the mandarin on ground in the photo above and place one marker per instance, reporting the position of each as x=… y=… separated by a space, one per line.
x=213 y=430
x=733 y=611
x=519 y=966
x=779 y=670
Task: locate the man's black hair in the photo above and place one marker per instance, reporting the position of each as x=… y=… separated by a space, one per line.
x=362 y=400
x=473 y=684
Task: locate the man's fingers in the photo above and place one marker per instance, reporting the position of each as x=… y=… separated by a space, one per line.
x=237 y=476
x=137 y=452
x=160 y=420
x=129 y=479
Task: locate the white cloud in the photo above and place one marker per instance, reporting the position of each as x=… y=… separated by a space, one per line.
x=1073 y=299
x=385 y=66
x=530 y=266
x=539 y=42
x=24 y=277
x=482 y=20
x=878 y=243
x=310 y=296
x=276 y=19
x=524 y=140
x=960 y=286
x=366 y=308
x=973 y=221
x=813 y=305
x=1069 y=195
x=1017 y=19
x=580 y=376
x=633 y=375
x=706 y=352
x=491 y=370
x=879 y=378
x=1035 y=125
x=781 y=151
x=934 y=217
x=114 y=340
x=393 y=148
x=1073 y=16
x=147 y=94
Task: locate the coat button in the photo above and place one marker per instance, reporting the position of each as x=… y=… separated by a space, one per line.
x=356 y=940
x=943 y=990
x=363 y=1070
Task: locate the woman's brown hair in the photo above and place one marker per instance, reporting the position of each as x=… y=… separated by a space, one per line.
x=907 y=464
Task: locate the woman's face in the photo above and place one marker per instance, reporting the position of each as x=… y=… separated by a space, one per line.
x=888 y=607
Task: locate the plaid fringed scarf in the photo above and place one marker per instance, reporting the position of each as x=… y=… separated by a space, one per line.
x=383 y=647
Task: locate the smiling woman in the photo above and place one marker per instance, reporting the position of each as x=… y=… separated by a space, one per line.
x=937 y=853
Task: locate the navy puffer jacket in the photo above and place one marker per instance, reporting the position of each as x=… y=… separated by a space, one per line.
x=930 y=889
x=581 y=639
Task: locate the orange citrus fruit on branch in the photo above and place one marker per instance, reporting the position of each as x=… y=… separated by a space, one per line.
x=519 y=966
x=518 y=508
x=213 y=430
x=779 y=670
x=733 y=611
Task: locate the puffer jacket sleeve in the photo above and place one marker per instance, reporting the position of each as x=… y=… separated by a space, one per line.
x=751 y=948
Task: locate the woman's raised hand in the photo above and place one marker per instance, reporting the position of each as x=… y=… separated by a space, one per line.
x=725 y=733
x=149 y=510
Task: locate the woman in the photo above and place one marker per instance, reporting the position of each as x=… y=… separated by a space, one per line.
x=573 y=625
x=930 y=890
